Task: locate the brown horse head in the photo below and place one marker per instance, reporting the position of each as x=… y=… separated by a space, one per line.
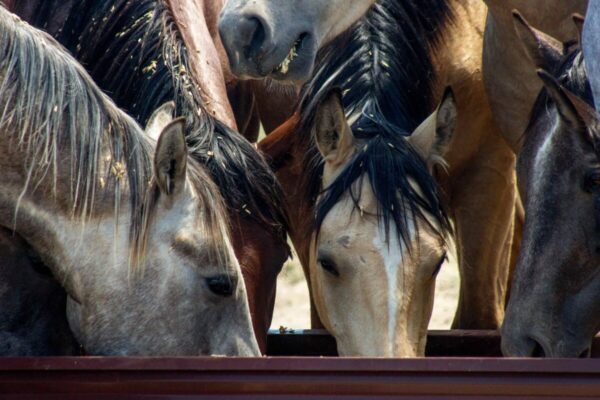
x=280 y=39
x=554 y=306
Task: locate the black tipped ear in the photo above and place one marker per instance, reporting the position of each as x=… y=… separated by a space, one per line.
x=432 y=138
x=446 y=122
x=579 y=21
x=170 y=159
x=333 y=134
x=564 y=105
x=545 y=51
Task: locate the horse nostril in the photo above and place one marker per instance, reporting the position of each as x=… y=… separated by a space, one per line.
x=257 y=35
x=538 y=351
x=587 y=353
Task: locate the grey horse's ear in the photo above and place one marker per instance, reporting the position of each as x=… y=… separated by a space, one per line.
x=160 y=118
x=333 y=134
x=170 y=159
x=579 y=21
x=544 y=51
x=573 y=111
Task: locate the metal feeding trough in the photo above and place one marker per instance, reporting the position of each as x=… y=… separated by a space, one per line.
x=301 y=365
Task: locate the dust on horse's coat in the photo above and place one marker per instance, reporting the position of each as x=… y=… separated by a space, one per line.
x=135 y=51
x=132 y=240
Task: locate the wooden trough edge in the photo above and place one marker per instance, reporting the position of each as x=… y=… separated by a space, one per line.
x=297 y=378
x=473 y=376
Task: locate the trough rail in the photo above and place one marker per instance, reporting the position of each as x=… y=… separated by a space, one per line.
x=305 y=377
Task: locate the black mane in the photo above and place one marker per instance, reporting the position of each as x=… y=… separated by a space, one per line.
x=383 y=67
x=571 y=74
x=134 y=51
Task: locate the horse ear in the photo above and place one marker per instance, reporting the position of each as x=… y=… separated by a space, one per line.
x=170 y=159
x=579 y=21
x=545 y=51
x=569 y=114
x=160 y=118
x=333 y=134
x=432 y=138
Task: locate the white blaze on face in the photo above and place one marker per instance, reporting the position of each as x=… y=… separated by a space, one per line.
x=393 y=252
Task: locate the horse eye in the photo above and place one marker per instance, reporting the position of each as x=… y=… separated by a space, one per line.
x=329 y=266
x=438 y=267
x=221 y=285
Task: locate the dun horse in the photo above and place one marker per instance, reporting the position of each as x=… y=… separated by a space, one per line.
x=378 y=239
x=139 y=53
x=138 y=242
x=380 y=229
x=559 y=180
x=420 y=47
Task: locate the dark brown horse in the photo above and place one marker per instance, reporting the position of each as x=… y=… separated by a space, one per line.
x=140 y=54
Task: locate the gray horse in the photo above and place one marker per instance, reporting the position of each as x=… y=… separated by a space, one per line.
x=136 y=240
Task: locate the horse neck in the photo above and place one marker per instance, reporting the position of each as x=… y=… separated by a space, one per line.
x=208 y=59
x=43 y=215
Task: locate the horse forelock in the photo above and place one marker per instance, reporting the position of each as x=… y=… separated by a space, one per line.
x=119 y=31
x=54 y=107
x=384 y=67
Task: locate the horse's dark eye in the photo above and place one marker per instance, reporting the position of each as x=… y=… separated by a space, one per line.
x=438 y=267
x=329 y=266
x=221 y=285
x=591 y=182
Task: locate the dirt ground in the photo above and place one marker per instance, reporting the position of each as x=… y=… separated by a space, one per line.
x=292 y=308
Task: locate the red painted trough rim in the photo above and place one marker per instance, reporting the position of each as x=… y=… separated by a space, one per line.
x=302 y=364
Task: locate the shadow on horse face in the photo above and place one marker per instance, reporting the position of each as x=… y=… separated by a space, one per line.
x=554 y=306
x=140 y=246
x=280 y=39
x=372 y=270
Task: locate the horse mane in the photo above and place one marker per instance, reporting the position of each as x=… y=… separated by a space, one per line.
x=135 y=52
x=54 y=107
x=571 y=74
x=384 y=69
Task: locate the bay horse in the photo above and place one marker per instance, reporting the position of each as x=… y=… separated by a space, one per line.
x=139 y=53
x=138 y=241
x=554 y=306
x=421 y=47
x=377 y=240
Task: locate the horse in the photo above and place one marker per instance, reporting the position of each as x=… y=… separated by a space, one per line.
x=32 y=317
x=510 y=81
x=377 y=240
x=137 y=240
x=557 y=169
x=422 y=47
x=281 y=39
x=591 y=33
x=140 y=53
